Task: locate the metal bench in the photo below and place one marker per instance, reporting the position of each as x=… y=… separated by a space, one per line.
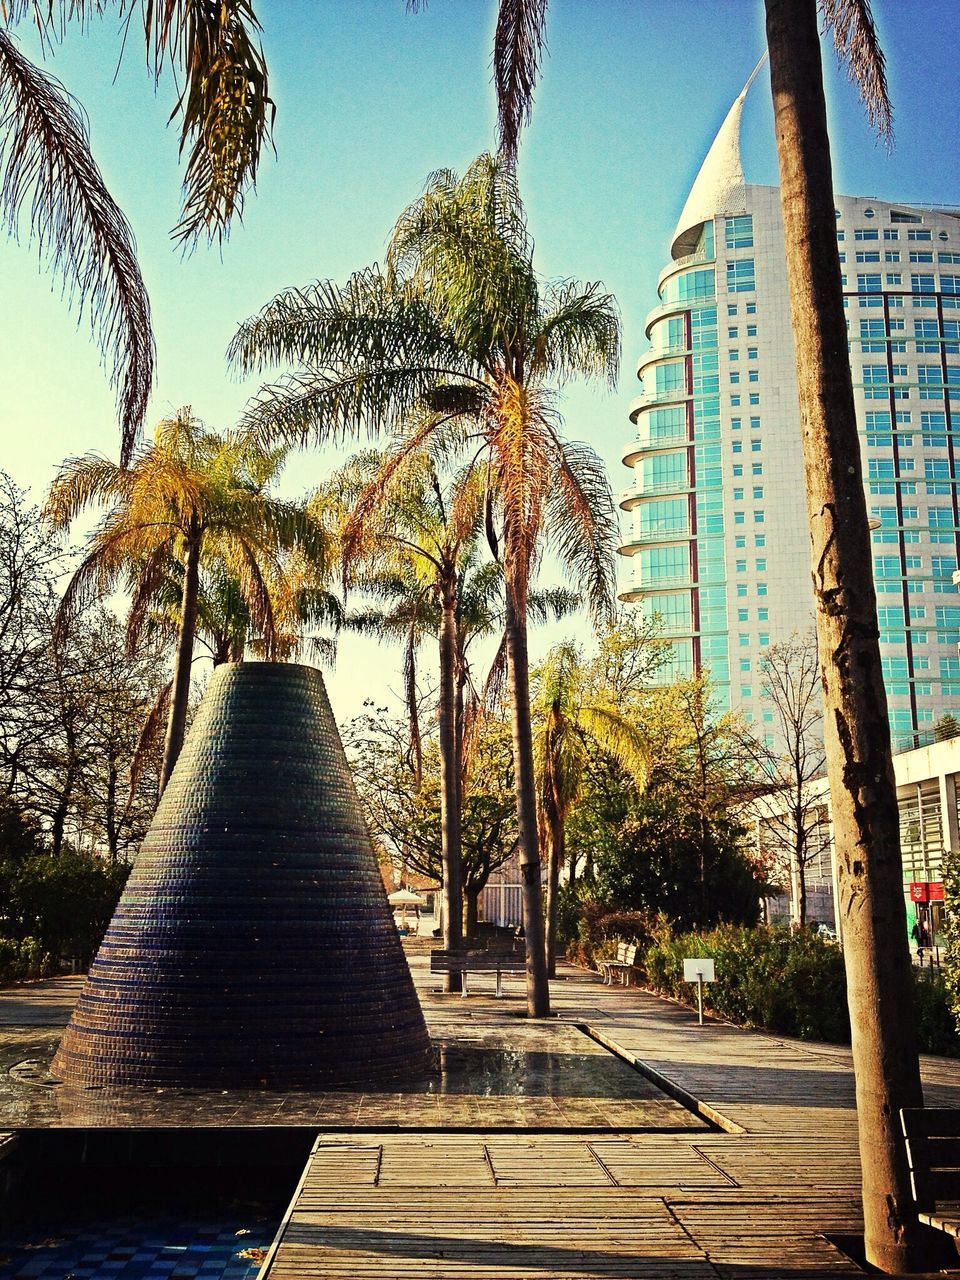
x=464 y=962
x=622 y=967
x=932 y=1136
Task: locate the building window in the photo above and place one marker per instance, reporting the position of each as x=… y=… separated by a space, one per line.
x=891 y=255
x=761 y=588
x=741 y=589
x=739 y=232
x=758 y=491
x=751 y=308
x=744 y=664
x=894 y=277
x=741 y=276
x=763 y=615
x=868 y=282
x=738 y=470
x=735 y=402
x=734 y=377
x=741 y=566
x=919 y=234
x=921 y=255
x=930 y=378
x=740 y=542
x=866 y=233
x=758 y=517
x=756 y=468
x=950 y=284
x=731 y=309
x=922 y=283
x=868 y=255
x=891 y=233
x=753 y=397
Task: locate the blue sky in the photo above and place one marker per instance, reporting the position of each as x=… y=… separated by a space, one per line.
x=371 y=98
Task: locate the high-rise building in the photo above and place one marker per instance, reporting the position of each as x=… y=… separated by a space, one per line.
x=719 y=545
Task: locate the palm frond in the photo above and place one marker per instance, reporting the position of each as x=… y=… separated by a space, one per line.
x=49 y=179
x=225 y=107
x=583 y=524
x=518 y=44
x=150 y=735
x=82 y=482
x=523 y=468
x=153 y=574
x=579 y=334
x=552 y=602
x=858 y=48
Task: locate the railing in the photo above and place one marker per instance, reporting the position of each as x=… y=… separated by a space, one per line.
x=653 y=398
x=679 y=264
x=673 y=533
x=676 y=308
x=649 y=584
x=644 y=444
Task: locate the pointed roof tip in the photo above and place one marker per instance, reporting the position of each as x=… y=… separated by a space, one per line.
x=719 y=185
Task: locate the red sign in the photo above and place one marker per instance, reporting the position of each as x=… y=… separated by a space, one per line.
x=926 y=891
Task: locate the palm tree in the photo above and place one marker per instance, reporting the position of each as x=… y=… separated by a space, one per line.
x=51 y=188
x=404 y=517
x=191 y=493
x=573 y=720
x=862 y=789
x=857 y=730
x=460 y=331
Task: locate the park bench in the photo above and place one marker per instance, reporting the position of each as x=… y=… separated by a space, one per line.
x=622 y=967
x=464 y=962
x=933 y=1153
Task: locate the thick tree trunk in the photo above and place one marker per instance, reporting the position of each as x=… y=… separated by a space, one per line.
x=450 y=782
x=857 y=732
x=471 y=913
x=518 y=676
x=180 y=693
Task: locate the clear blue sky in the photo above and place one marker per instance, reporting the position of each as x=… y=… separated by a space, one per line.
x=371 y=98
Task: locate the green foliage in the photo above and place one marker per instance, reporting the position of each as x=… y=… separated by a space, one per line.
x=667 y=858
x=56 y=908
x=937 y=1029
x=951 y=955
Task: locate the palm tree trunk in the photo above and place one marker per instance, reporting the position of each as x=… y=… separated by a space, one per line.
x=450 y=781
x=857 y=731
x=180 y=693
x=555 y=851
x=518 y=678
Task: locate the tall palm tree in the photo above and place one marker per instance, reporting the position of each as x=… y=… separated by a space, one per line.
x=862 y=789
x=190 y=493
x=460 y=325
x=857 y=729
x=572 y=719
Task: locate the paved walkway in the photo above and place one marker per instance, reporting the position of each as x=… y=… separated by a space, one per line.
x=534 y=1153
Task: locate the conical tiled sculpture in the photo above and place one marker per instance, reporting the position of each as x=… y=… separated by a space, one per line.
x=253 y=944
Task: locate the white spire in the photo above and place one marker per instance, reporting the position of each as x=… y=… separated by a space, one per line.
x=718 y=187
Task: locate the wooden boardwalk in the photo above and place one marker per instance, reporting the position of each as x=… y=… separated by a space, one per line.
x=755 y=1201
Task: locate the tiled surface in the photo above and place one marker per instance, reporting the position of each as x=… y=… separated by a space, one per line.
x=133 y=1250
x=492 y=1069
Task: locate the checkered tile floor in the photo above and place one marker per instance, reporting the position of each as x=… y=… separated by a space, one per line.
x=129 y=1249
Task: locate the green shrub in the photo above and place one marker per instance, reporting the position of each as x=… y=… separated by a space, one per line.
x=790 y=983
x=766 y=977
x=951 y=955
x=22 y=960
x=936 y=1021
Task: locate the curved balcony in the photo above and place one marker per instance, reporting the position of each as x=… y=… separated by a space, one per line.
x=629 y=498
x=656 y=399
x=676 y=309
x=651 y=537
x=680 y=264
x=662 y=586
x=644 y=444
x=661 y=353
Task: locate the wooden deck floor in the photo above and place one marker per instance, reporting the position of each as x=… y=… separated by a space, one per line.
x=755 y=1202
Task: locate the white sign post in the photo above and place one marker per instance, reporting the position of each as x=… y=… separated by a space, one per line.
x=699 y=970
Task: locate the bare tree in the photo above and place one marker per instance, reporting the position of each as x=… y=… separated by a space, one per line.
x=789 y=812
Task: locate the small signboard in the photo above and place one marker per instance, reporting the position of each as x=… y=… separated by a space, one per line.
x=700 y=970
x=926 y=891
